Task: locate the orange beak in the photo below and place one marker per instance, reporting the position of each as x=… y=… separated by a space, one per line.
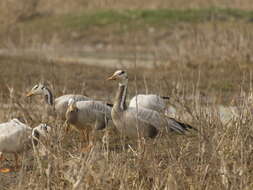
x=29 y=94
x=72 y=108
x=113 y=77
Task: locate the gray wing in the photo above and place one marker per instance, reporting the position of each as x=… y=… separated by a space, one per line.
x=98 y=107
x=147 y=116
x=159 y=121
x=148 y=101
x=61 y=103
x=77 y=97
x=103 y=108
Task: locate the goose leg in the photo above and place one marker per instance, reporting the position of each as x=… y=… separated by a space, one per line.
x=99 y=125
x=66 y=127
x=85 y=137
x=1 y=156
x=1 y=159
x=16 y=161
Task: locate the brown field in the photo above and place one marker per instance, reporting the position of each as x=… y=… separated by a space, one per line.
x=220 y=160
x=198 y=64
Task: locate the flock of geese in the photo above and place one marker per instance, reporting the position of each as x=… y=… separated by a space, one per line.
x=143 y=118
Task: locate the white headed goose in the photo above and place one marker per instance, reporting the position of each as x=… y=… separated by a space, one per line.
x=16 y=137
x=85 y=116
x=60 y=104
x=83 y=113
x=139 y=122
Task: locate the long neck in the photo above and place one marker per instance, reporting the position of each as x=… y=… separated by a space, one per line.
x=35 y=137
x=120 y=100
x=48 y=96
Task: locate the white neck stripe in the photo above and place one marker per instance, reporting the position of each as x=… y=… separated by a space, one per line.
x=48 y=96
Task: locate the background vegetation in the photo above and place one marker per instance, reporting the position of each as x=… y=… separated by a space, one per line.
x=197 y=52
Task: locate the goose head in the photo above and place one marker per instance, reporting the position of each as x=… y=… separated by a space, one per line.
x=72 y=105
x=38 y=89
x=119 y=75
x=42 y=130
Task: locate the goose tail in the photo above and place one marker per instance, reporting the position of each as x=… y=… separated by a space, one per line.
x=179 y=127
x=165 y=97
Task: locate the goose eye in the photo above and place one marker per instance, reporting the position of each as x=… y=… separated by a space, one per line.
x=122 y=72
x=73 y=111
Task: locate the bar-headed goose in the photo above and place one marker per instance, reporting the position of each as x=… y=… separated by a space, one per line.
x=139 y=122
x=60 y=104
x=150 y=101
x=87 y=115
x=16 y=137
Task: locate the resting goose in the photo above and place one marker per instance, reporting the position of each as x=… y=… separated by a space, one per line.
x=84 y=115
x=150 y=101
x=15 y=137
x=60 y=104
x=139 y=122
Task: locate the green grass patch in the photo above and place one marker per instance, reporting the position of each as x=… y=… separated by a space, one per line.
x=154 y=17
x=122 y=21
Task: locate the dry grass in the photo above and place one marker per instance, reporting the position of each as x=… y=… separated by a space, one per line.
x=199 y=64
x=220 y=160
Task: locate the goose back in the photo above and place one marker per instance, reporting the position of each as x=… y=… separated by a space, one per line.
x=149 y=101
x=61 y=103
x=89 y=113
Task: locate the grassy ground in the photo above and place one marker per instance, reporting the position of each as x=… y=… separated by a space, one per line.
x=201 y=57
x=138 y=18
x=120 y=22
x=186 y=37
